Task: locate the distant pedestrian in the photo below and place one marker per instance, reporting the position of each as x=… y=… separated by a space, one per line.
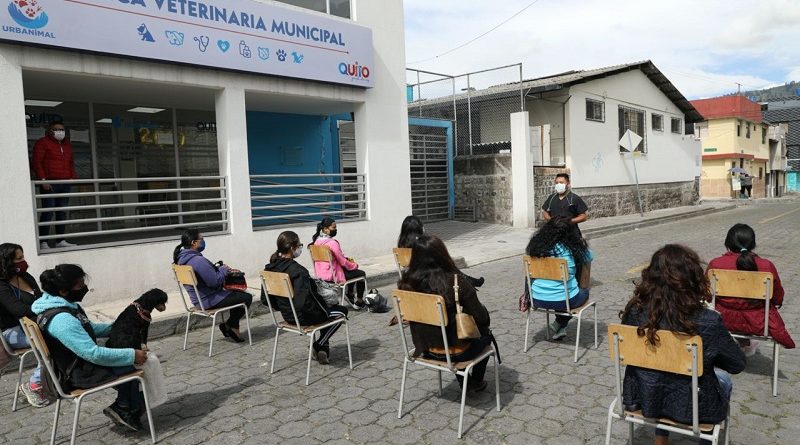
x=562 y=202
x=53 y=159
x=747 y=186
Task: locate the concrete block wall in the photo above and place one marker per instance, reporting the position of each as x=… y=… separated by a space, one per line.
x=484 y=181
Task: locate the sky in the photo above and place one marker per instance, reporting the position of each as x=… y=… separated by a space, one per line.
x=703 y=46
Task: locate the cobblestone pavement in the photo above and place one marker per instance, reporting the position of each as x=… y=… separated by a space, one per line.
x=231 y=398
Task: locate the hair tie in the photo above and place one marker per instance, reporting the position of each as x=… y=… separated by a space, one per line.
x=742 y=250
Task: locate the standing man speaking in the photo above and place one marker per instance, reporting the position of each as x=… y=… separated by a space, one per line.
x=53 y=160
x=564 y=203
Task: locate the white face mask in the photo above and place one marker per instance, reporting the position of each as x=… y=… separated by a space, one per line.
x=59 y=134
x=561 y=188
x=297 y=252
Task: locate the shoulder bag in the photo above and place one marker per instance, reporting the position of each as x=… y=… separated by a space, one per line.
x=465 y=324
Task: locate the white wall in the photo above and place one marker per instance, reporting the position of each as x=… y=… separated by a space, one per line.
x=124 y=272
x=592 y=150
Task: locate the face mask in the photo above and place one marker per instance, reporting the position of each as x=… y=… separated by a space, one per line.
x=332 y=233
x=202 y=246
x=561 y=188
x=76 y=296
x=297 y=252
x=22 y=267
x=59 y=134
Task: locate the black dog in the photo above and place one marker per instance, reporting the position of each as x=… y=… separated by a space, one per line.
x=130 y=329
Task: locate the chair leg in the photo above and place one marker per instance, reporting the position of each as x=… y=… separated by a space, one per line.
x=247 y=322
x=577 y=337
x=19 y=380
x=55 y=422
x=775 y=350
x=527 y=328
x=274 y=350
x=402 y=388
x=186 y=335
x=608 y=422
x=728 y=425
x=547 y=327
x=78 y=402
x=347 y=337
x=595 y=325
x=630 y=433
x=440 y=383
x=213 y=325
x=463 y=400
x=149 y=413
x=310 y=350
x=497 y=381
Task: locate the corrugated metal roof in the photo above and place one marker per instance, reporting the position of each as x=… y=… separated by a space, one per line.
x=782 y=115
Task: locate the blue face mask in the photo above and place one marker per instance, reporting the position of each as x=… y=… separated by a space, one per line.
x=202 y=246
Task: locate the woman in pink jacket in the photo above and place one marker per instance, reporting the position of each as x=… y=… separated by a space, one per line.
x=344 y=268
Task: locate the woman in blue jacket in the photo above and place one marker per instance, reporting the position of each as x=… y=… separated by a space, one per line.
x=210 y=281
x=72 y=340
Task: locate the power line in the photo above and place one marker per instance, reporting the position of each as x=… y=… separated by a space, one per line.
x=478 y=37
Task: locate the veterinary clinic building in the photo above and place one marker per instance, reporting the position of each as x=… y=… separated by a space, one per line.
x=240 y=117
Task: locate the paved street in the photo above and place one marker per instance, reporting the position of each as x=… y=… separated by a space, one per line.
x=231 y=398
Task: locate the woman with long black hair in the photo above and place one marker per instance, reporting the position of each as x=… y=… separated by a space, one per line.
x=344 y=268
x=560 y=238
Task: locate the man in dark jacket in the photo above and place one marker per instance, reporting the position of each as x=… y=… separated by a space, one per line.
x=53 y=160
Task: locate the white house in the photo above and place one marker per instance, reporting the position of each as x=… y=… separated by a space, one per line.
x=240 y=117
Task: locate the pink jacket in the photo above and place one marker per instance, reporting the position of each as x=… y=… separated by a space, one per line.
x=323 y=269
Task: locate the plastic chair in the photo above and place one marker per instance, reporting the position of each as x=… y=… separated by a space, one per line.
x=43 y=354
x=675 y=353
x=747 y=285
x=554 y=269
x=280 y=286
x=21 y=354
x=185 y=276
x=402 y=258
x=429 y=309
x=322 y=254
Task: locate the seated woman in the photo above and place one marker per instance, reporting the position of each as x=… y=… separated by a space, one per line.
x=210 y=283
x=670 y=296
x=411 y=229
x=747 y=316
x=72 y=340
x=311 y=308
x=344 y=268
x=18 y=290
x=559 y=238
x=431 y=271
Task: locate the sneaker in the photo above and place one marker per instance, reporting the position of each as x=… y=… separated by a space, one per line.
x=36 y=397
x=122 y=417
x=65 y=243
x=559 y=331
x=43 y=245
x=322 y=356
x=751 y=349
x=477 y=387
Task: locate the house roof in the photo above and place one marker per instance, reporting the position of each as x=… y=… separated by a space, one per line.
x=782 y=115
x=569 y=78
x=728 y=106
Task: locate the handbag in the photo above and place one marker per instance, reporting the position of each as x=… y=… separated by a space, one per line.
x=330 y=292
x=465 y=324
x=235 y=281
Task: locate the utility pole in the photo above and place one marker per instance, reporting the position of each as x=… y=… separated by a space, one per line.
x=738 y=88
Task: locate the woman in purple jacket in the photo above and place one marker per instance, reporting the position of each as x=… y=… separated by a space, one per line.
x=210 y=281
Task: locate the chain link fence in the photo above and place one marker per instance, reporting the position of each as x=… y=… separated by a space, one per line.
x=478 y=103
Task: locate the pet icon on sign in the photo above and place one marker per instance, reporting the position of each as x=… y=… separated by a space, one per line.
x=202 y=43
x=223 y=45
x=298 y=58
x=263 y=53
x=244 y=50
x=281 y=55
x=145 y=33
x=174 y=38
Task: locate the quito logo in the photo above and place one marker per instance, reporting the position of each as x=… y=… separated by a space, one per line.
x=354 y=70
x=28 y=13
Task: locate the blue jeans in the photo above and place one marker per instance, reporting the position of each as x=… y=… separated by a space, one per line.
x=725 y=385
x=561 y=305
x=17 y=340
x=59 y=215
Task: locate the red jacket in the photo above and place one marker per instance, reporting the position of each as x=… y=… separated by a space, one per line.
x=747 y=317
x=52 y=159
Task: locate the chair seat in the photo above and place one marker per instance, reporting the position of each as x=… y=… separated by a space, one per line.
x=78 y=392
x=572 y=310
x=704 y=427
x=458 y=365
x=209 y=312
x=308 y=328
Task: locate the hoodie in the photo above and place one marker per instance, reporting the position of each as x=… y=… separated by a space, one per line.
x=209 y=278
x=67 y=329
x=307 y=303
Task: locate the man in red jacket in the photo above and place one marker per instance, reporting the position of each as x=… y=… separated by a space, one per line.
x=53 y=160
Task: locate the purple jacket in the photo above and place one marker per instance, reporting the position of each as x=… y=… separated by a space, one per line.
x=210 y=279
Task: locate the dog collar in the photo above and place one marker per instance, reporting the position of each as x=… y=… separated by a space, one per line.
x=142 y=312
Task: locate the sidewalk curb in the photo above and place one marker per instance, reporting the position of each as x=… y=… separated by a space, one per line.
x=625 y=227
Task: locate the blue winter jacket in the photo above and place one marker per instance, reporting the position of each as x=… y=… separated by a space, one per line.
x=69 y=331
x=210 y=279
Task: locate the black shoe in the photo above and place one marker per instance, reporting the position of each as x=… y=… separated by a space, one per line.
x=228 y=332
x=122 y=417
x=322 y=354
x=477 y=387
x=479 y=282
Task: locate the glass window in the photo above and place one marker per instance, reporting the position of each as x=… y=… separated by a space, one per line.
x=747 y=128
x=675 y=125
x=340 y=8
x=738 y=128
x=595 y=110
x=75 y=117
x=658 y=122
x=314 y=5
x=632 y=119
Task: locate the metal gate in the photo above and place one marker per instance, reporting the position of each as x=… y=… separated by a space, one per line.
x=431 y=153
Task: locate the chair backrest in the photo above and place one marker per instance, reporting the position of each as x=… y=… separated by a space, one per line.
x=402 y=256
x=42 y=352
x=185 y=276
x=280 y=285
x=320 y=253
x=548 y=268
x=745 y=284
x=418 y=307
x=675 y=353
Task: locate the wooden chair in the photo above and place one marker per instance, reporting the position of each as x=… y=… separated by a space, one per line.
x=675 y=353
x=747 y=285
x=43 y=355
x=402 y=258
x=554 y=269
x=429 y=309
x=280 y=286
x=186 y=278
x=322 y=254
x=21 y=354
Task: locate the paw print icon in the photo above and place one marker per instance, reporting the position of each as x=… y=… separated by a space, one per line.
x=281 y=55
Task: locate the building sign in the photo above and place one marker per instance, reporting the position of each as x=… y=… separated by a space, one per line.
x=242 y=35
x=710 y=149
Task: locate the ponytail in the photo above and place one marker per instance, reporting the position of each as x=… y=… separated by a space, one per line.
x=746 y=261
x=741 y=239
x=61 y=278
x=286 y=242
x=187 y=238
x=326 y=222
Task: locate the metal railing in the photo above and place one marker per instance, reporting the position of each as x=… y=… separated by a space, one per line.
x=94 y=212
x=284 y=199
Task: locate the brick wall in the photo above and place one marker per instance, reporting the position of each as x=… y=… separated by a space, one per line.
x=484 y=182
x=721 y=188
